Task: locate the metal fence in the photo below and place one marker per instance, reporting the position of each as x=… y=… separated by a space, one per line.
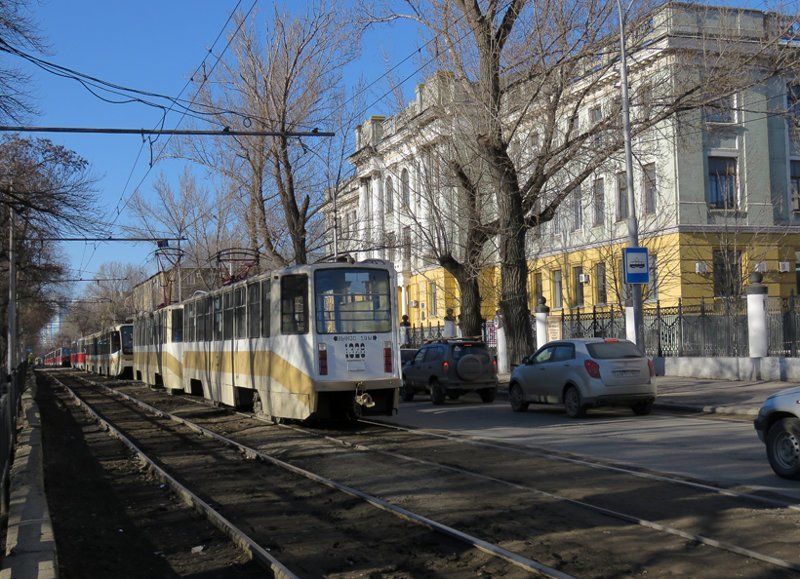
x=711 y=328
x=9 y=408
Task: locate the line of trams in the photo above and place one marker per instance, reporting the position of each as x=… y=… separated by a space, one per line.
x=307 y=341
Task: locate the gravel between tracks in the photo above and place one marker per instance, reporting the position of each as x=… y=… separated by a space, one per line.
x=111 y=518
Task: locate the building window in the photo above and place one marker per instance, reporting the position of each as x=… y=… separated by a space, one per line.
x=577 y=209
x=405 y=194
x=793 y=104
x=558 y=290
x=389 y=195
x=406 y=247
x=649 y=190
x=433 y=310
x=794 y=185
x=391 y=246
x=598 y=202
x=722 y=110
x=727 y=265
x=595 y=118
x=577 y=284
x=722 y=183
x=622 y=196
x=601 y=296
x=645 y=101
x=556 y=222
x=651 y=291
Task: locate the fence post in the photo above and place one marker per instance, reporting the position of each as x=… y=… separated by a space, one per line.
x=702 y=326
x=793 y=323
x=542 y=311
x=659 y=353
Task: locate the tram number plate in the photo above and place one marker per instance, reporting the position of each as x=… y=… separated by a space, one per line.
x=355 y=366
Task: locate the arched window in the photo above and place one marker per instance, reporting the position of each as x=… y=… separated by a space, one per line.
x=388 y=195
x=404 y=188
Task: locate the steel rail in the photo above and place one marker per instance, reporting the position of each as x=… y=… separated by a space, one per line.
x=238 y=536
x=515 y=559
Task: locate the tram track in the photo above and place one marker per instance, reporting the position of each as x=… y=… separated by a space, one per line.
x=387 y=538
x=507 y=528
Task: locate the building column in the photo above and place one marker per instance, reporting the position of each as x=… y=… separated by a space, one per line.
x=378 y=213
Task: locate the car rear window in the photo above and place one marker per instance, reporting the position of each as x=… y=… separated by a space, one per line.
x=460 y=350
x=612 y=350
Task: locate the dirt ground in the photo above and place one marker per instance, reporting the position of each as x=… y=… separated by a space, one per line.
x=111 y=518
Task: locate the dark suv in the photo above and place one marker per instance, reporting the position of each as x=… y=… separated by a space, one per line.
x=450 y=368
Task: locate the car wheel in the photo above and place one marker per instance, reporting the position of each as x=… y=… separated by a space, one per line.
x=437 y=392
x=517 y=398
x=573 y=403
x=783 y=448
x=643 y=408
x=406 y=392
x=488 y=394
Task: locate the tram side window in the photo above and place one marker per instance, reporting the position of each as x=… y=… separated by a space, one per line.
x=253 y=310
x=227 y=326
x=217 y=317
x=177 y=325
x=240 y=312
x=116 y=344
x=188 y=323
x=209 y=319
x=266 y=307
x=294 y=304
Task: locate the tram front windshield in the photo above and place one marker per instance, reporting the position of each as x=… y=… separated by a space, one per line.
x=127 y=339
x=352 y=300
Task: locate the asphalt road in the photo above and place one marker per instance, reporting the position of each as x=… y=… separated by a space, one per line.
x=716 y=449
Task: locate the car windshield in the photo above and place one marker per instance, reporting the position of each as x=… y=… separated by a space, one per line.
x=613 y=350
x=460 y=350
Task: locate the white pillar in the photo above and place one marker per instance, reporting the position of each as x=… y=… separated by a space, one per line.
x=757 y=319
x=502 y=348
x=630 y=323
x=542 y=312
x=449 y=324
x=378 y=212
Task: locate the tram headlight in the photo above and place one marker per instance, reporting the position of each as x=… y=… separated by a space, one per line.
x=322 y=356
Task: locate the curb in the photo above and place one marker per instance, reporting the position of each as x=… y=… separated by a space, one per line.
x=30 y=543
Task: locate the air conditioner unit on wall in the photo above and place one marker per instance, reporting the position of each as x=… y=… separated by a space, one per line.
x=583 y=278
x=413 y=303
x=784 y=266
x=700 y=267
x=760 y=267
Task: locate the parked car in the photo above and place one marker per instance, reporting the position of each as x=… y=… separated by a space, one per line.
x=450 y=368
x=778 y=426
x=584 y=373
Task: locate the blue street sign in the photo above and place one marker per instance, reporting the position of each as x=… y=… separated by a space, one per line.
x=635 y=262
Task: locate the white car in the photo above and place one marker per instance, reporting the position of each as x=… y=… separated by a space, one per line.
x=582 y=373
x=778 y=426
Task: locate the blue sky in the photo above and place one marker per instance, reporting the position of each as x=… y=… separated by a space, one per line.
x=153 y=46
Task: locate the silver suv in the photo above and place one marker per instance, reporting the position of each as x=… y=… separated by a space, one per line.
x=778 y=426
x=450 y=368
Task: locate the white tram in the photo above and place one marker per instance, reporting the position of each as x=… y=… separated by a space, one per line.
x=109 y=352
x=305 y=341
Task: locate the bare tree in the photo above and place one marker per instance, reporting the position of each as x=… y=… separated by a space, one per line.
x=533 y=69
x=281 y=79
x=17 y=32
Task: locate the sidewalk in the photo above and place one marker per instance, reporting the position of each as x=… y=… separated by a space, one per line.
x=732 y=397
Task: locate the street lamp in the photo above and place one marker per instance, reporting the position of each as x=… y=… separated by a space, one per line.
x=633 y=225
